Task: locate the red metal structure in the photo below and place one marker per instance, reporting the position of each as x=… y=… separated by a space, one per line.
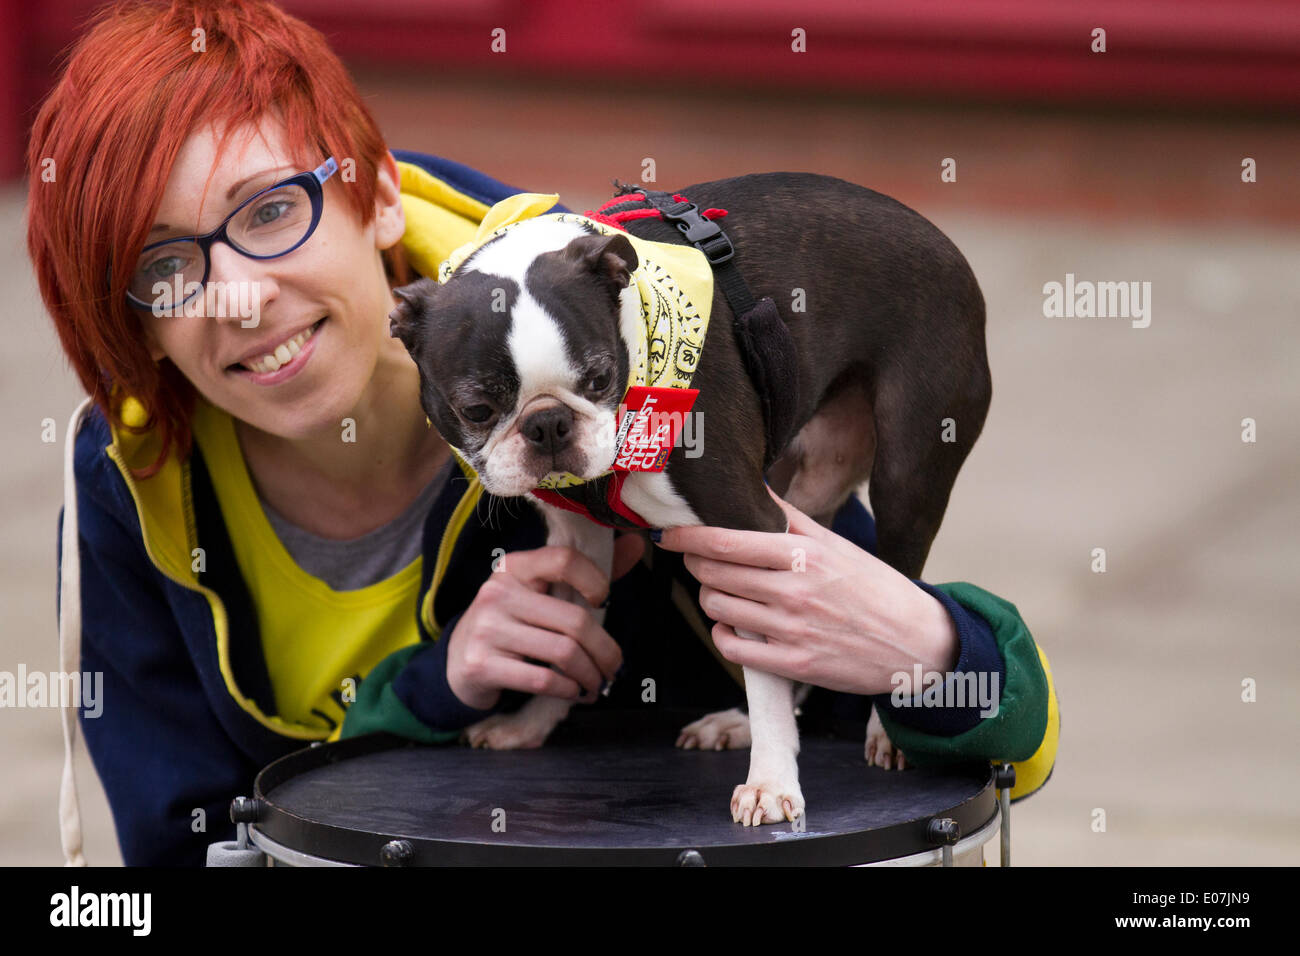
x=1241 y=55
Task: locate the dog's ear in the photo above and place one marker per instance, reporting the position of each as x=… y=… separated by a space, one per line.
x=403 y=321
x=611 y=258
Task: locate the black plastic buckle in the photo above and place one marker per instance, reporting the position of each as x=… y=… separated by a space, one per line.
x=704 y=234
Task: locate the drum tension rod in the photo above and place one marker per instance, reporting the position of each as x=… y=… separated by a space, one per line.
x=944 y=832
x=243 y=811
x=1004 y=779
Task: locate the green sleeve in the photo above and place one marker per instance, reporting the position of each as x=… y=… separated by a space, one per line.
x=377 y=708
x=1019 y=728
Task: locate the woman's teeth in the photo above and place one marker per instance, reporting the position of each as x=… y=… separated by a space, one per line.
x=283 y=354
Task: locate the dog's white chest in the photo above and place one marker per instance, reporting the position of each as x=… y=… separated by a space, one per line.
x=651 y=495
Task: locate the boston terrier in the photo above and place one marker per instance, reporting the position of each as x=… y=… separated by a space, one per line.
x=527 y=348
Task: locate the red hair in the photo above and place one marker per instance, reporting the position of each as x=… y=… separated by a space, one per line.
x=133 y=90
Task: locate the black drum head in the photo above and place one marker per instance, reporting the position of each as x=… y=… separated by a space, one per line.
x=607 y=789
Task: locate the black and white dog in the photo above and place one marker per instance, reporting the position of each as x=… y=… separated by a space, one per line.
x=893 y=386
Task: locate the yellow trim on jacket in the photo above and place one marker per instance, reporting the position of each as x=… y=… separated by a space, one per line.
x=1033 y=773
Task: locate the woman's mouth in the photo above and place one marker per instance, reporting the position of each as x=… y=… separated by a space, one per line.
x=284 y=361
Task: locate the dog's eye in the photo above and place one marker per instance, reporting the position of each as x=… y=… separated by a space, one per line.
x=599 y=382
x=477 y=413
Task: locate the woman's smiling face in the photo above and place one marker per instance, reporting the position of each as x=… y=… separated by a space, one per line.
x=321 y=310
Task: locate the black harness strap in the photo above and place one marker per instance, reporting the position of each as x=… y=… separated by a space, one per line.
x=763 y=338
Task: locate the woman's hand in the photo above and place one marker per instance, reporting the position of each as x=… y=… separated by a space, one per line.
x=513 y=617
x=833 y=614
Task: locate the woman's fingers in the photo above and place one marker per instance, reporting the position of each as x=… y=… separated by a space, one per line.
x=759 y=549
x=772 y=657
x=540 y=568
x=508 y=673
x=600 y=652
x=743 y=613
x=564 y=650
x=757 y=584
x=559 y=650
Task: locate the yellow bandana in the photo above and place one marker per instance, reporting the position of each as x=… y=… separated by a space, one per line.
x=676 y=287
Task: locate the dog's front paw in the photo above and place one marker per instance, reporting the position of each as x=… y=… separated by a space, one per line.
x=503 y=732
x=525 y=729
x=725 y=730
x=879 y=749
x=754 y=803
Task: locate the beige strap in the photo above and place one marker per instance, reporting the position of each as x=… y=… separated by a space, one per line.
x=70 y=645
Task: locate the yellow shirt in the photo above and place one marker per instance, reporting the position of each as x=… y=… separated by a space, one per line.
x=314 y=639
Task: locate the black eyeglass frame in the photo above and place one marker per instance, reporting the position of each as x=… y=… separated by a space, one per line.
x=313 y=182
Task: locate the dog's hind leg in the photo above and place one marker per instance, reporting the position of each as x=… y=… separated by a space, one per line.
x=922 y=443
x=923 y=436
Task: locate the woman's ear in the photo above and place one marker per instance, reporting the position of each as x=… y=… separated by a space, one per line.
x=390 y=217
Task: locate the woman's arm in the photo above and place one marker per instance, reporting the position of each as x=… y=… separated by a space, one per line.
x=837 y=617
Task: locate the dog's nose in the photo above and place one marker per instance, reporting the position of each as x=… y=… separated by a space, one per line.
x=550 y=429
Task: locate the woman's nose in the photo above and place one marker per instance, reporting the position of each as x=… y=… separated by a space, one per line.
x=237 y=286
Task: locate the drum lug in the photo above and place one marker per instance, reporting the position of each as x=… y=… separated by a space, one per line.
x=1004 y=779
x=397 y=853
x=245 y=810
x=943 y=832
x=690 y=858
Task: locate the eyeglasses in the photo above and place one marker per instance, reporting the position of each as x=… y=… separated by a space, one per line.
x=266 y=225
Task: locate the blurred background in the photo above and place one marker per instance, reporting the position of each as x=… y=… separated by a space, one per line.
x=1123 y=165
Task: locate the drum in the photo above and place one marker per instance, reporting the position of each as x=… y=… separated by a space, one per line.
x=608 y=789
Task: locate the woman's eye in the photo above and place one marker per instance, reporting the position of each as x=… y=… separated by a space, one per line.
x=599 y=382
x=477 y=413
x=278 y=208
x=164 y=268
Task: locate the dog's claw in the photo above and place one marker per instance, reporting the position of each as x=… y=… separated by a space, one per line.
x=880 y=750
x=756 y=804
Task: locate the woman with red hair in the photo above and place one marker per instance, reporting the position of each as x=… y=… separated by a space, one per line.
x=263 y=543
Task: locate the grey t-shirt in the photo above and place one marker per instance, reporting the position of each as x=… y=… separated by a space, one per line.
x=359 y=562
